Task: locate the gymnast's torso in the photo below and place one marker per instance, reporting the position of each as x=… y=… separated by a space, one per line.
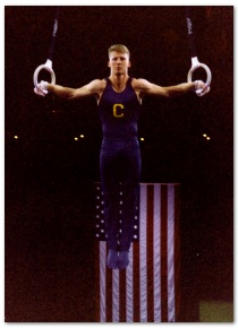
x=119 y=111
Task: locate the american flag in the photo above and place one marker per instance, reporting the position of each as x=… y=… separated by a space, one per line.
x=148 y=290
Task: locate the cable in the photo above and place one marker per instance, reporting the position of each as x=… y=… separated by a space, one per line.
x=49 y=61
x=195 y=63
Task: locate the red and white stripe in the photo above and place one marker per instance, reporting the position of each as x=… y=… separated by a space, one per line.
x=148 y=290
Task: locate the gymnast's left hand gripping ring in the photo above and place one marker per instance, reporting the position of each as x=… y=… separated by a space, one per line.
x=194 y=66
x=48 y=67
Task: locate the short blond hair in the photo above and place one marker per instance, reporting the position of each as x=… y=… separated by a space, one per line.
x=119 y=48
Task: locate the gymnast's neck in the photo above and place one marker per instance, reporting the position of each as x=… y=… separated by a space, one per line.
x=119 y=80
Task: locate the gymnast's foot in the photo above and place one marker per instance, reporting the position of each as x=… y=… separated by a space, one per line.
x=123 y=260
x=112 y=259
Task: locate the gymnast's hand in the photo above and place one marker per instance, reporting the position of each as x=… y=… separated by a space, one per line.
x=41 y=89
x=201 y=88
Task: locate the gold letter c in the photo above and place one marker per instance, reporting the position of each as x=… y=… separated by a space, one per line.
x=115 y=113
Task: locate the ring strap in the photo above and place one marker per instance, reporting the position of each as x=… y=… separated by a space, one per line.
x=191 y=41
x=54 y=34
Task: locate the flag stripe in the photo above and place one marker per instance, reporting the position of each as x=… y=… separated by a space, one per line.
x=143 y=258
x=129 y=286
x=122 y=295
x=164 y=290
x=109 y=294
x=97 y=280
x=115 y=295
x=150 y=218
x=170 y=254
x=157 y=253
x=102 y=281
x=136 y=279
x=177 y=252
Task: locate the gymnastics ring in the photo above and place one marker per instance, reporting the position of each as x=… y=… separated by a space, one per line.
x=194 y=66
x=48 y=67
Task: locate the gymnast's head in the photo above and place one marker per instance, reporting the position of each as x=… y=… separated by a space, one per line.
x=119 y=58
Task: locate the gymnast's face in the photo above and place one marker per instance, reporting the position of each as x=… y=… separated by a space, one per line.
x=119 y=62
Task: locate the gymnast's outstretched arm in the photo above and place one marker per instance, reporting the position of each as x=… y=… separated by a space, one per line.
x=145 y=87
x=94 y=88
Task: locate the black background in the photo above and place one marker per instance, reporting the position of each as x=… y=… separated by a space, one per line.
x=49 y=177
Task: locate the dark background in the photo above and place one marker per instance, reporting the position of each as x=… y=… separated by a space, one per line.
x=49 y=177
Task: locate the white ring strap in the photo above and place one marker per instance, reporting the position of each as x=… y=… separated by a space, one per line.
x=46 y=66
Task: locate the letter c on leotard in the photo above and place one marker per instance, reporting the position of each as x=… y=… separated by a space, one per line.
x=115 y=112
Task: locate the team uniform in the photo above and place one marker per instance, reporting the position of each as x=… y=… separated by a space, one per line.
x=120 y=162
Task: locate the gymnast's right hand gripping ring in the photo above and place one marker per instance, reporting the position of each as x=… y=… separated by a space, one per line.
x=48 y=67
x=194 y=66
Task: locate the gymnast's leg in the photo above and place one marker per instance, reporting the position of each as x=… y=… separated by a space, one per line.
x=130 y=199
x=110 y=191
